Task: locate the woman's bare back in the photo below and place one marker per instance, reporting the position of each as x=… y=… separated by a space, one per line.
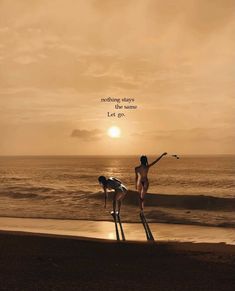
x=141 y=173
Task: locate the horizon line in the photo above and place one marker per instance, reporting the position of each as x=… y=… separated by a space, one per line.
x=108 y=155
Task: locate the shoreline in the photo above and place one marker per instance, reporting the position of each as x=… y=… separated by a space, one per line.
x=105 y=230
x=176 y=245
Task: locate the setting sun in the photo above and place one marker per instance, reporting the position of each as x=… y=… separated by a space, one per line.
x=114 y=132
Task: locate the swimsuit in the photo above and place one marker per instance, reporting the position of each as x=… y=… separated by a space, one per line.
x=144 y=182
x=122 y=188
x=116 y=185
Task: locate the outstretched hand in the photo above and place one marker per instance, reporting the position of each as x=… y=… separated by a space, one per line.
x=157 y=160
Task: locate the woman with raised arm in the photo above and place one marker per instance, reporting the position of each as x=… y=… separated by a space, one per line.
x=141 y=174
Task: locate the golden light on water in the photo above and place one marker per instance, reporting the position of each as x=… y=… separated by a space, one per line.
x=114 y=132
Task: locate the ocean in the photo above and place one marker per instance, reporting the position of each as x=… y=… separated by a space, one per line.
x=194 y=190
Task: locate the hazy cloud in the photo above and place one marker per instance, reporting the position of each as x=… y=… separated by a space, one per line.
x=176 y=58
x=87 y=135
x=25 y=60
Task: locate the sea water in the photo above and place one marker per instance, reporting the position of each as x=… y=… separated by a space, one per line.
x=196 y=190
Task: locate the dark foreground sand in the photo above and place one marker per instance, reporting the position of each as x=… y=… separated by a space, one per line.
x=40 y=262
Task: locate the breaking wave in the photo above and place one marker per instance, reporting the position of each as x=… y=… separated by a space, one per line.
x=197 y=202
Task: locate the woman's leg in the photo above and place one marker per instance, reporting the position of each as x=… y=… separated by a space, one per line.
x=142 y=195
x=114 y=202
x=119 y=206
x=119 y=197
x=139 y=189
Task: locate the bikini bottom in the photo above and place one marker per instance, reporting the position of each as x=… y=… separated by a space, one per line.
x=144 y=183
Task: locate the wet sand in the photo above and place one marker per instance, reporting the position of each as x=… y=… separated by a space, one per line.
x=49 y=262
x=133 y=231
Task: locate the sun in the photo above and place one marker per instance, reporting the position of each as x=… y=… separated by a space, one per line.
x=114 y=132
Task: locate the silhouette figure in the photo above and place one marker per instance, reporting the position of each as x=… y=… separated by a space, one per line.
x=142 y=183
x=118 y=187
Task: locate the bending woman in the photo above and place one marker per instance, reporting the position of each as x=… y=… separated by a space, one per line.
x=120 y=191
x=141 y=177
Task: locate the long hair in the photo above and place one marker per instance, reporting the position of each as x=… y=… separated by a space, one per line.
x=144 y=160
x=102 y=180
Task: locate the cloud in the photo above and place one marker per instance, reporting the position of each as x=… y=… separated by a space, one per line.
x=87 y=135
x=176 y=58
x=25 y=60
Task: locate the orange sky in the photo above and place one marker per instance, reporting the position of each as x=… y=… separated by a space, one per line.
x=58 y=58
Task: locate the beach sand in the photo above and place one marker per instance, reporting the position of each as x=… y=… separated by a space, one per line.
x=30 y=261
x=133 y=231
